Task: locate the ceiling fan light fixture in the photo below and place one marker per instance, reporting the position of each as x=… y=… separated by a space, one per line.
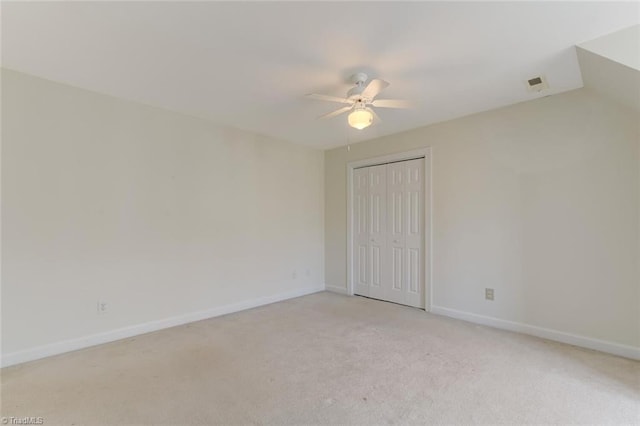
x=360 y=118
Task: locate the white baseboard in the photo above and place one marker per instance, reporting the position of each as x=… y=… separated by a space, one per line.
x=135 y=330
x=546 y=333
x=335 y=289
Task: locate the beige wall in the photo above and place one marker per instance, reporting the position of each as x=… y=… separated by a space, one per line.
x=539 y=200
x=162 y=214
x=157 y=213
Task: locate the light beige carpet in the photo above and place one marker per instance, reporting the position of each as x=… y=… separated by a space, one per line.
x=329 y=359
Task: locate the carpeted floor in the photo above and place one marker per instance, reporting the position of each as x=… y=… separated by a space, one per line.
x=328 y=359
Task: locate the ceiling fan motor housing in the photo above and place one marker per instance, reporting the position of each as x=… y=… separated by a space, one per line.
x=355 y=93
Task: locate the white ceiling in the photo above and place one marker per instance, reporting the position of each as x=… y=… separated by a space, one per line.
x=248 y=64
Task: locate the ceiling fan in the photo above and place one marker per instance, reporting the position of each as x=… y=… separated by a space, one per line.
x=360 y=100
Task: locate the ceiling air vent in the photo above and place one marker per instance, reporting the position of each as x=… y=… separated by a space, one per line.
x=537 y=84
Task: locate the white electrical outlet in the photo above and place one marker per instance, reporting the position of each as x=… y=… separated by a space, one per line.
x=488 y=293
x=102 y=307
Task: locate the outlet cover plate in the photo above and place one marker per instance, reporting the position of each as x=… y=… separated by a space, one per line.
x=488 y=293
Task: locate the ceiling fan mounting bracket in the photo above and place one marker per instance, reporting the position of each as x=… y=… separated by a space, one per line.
x=359 y=78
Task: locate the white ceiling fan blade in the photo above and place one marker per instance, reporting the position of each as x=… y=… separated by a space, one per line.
x=373 y=88
x=328 y=98
x=334 y=113
x=391 y=103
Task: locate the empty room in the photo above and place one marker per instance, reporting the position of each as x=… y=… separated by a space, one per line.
x=230 y=213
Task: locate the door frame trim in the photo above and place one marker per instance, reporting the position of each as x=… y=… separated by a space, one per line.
x=428 y=207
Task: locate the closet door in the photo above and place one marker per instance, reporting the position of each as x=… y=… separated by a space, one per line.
x=405 y=188
x=369 y=230
x=388 y=231
x=414 y=235
x=360 y=255
x=395 y=287
x=378 y=262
